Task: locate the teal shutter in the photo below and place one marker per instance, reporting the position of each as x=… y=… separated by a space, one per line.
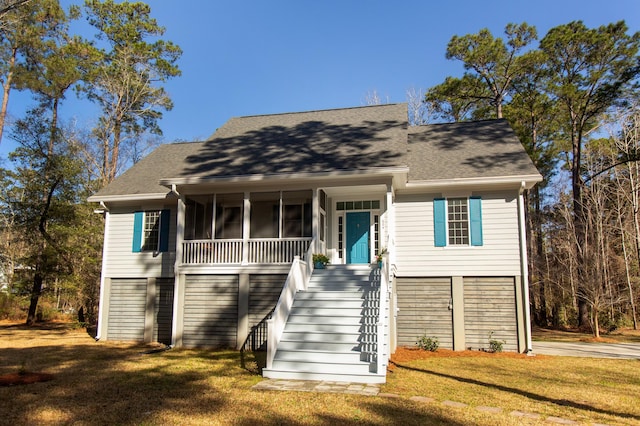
x=165 y=217
x=137 y=232
x=475 y=220
x=440 y=222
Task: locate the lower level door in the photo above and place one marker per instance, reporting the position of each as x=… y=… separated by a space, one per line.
x=358 y=224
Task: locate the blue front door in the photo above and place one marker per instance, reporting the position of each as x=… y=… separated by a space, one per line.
x=358 y=237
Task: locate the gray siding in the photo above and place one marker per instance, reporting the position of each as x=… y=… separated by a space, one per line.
x=490 y=305
x=210 y=311
x=163 y=311
x=423 y=305
x=127 y=304
x=263 y=295
x=498 y=256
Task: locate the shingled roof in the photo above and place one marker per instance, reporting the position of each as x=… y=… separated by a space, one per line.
x=351 y=139
x=474 y=149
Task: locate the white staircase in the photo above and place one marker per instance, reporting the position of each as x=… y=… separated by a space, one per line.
x=325 y=335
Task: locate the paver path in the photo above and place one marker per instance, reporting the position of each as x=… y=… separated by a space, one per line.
x=589 y=350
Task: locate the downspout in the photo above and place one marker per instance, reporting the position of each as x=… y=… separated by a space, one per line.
x=524 y=268
x=105 y=242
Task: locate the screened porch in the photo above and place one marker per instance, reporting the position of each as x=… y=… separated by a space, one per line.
x=251 y=228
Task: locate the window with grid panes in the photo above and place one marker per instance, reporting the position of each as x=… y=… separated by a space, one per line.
x=458 y=221
x=151 y=231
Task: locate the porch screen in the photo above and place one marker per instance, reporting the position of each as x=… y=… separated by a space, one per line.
x=297 y=214
x=265 y=214
x=229 y=216
x=198 y=218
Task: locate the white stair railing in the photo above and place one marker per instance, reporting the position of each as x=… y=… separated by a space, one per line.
x=382 y=355
x=297 y=280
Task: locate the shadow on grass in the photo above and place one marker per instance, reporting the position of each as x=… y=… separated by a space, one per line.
x=527 y=394
x=116 y=383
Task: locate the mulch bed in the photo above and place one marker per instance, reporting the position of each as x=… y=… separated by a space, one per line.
x=25 y=378
x=406 y=354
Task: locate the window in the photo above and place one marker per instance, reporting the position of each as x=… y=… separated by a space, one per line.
x=151 y=231
x=358 y=205
x=457 y=221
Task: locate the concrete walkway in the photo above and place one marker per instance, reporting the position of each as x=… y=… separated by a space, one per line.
x=318 y=386
x=588 y=350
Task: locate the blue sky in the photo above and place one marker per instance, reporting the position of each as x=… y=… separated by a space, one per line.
x=263 y=57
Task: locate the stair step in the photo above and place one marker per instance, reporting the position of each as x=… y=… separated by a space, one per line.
x=301 y=345
x=349 y=378
x=323 y=302
x=314 y=327
x=318 y=356
x=330 y=294
x=320 y=336
x=323 y=367
x=301 y=318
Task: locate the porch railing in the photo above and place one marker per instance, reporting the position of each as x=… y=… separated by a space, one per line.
x=375 y=346
x=231 y=251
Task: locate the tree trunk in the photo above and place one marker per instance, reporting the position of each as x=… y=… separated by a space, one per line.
x=36 y=290
x=6 y=91
x=579 y=223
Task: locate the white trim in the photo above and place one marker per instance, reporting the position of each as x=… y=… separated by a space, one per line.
x=525 y=269
x=262 y=177
x=105 y=249
x=127 y=197
x=456 y=183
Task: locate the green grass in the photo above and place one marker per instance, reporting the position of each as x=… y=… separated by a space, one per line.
x=111 y=383
x=616 y=336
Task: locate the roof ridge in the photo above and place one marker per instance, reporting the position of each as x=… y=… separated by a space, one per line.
x=319 y=110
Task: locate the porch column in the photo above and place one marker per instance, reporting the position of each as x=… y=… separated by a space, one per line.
x=105 y=283
x=178 y=281
x=389 y=236
x=457 y=302
x=246 y=224
x=315 y=219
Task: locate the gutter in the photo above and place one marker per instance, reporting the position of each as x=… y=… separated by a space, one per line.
x=523 y=181
x=127 y=197
x=382 y=171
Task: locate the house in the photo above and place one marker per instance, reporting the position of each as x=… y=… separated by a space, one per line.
x=208 y=242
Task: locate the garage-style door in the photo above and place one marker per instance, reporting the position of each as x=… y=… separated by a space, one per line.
x=210 y=311
x=424 y=309
x=490 y=306
x=127 y=304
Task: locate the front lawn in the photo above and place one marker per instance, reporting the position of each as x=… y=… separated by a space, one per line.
x=115 y=383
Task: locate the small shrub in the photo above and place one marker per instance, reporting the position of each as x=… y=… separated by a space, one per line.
x=428 y=343
x=320 y=258
x=495 y=345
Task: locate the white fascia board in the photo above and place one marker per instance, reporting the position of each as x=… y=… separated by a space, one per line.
x=127 y=197
x=288 y=176
x=484 y=182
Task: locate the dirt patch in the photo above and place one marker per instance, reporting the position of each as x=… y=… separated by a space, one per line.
x=26 y=378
